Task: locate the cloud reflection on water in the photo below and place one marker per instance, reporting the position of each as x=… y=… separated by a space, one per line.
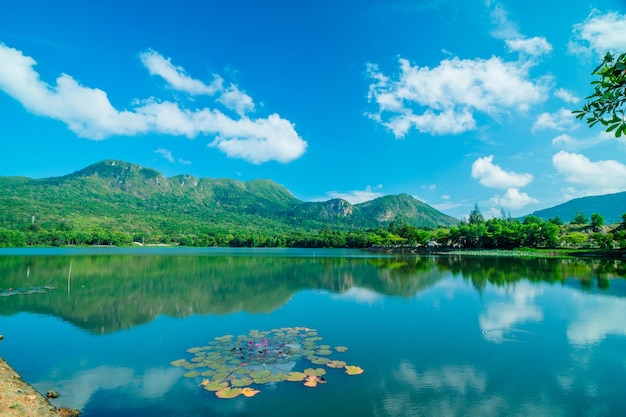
x=79 y=389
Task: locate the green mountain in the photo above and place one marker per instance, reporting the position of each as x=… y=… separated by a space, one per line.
x=610 y=206
x=121 y=196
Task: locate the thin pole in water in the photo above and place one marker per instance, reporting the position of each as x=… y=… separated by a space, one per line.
x=69 y=278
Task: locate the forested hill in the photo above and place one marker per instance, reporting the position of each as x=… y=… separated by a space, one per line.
x=116 y=195
x=610 y=206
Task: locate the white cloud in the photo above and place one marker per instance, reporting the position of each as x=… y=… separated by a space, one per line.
x=564 y=140
x=88 y=112
x=535 y=46
x=570 y=143
x=448 y=205
x=601 y=177
x=236 y=100
x=256 y=141
x=513 y=198
x=509 y=32
x=491 y=175
x=599 y=33
x=566 y=96
x=358 y=196
x=504 y=28
x=443 y=100
x=176 y=77
x=166 y=154
x=560 y=120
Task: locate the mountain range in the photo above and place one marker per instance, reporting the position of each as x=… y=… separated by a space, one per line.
x=129 y=197
x=122 y=196
x=610 y=206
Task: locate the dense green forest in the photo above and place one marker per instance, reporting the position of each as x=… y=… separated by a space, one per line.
x=121 y=204
x=495 y=233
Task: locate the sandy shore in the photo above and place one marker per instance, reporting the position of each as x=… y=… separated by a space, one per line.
x=19 y=399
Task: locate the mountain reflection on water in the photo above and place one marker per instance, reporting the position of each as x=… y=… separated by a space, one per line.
x=103 y=293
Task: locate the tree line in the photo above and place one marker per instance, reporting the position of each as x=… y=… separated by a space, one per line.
x=496 y=233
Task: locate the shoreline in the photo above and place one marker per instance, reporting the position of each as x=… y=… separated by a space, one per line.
x=19 y=399
x=615 y=254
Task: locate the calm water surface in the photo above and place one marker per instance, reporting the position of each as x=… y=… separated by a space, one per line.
x=435 y=336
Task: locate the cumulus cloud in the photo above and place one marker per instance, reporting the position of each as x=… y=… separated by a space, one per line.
x=236 y=100
x=503 y=27
x=601 y=177
x=599 y=33
x=256 y=141
x=535 y=46
x=166 y=154
x=566 y=96
x=570 y=143
x=508 y=31
x=88 y=112
x=443 y=100
x=358 y=196
x=563 y=140
x=513 y=198
x=176 y=77
x=491 y=175
x=560 y=120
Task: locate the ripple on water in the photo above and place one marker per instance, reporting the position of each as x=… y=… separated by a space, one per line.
x=508 y=335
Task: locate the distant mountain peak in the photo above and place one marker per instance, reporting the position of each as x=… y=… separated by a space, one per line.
x=138 y=195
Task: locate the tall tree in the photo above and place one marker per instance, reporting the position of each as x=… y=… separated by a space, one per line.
x=476 y=217
x=597 y=221
x=580 y=218
x=607 y=103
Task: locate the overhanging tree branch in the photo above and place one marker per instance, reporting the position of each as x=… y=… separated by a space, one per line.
x=607 y=103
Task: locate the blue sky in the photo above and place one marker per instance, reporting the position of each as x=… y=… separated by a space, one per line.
x=455 y=102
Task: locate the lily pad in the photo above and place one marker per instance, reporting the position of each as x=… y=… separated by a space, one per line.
x=245 y=381
x=228 y=393
x=336 y=364
x=221 y=376
x=214 y=386
x=318 y=360
x=311 y=381
x=296 y=376
x=260 y=374
x=315 y=372
x=249 y=392
x=279 y=377
x=353 y=370
x=179 y=362
x=234 y=363
x=262 y=380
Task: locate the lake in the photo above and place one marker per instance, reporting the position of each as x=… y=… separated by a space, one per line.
x=435 y=336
